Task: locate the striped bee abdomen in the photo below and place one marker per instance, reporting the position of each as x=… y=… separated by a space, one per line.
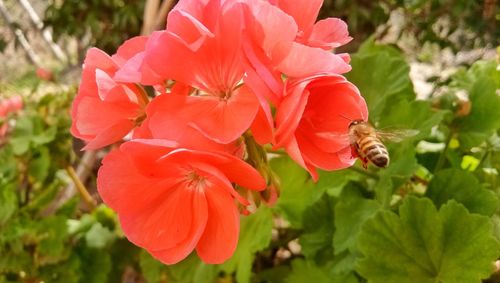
x=374 y=150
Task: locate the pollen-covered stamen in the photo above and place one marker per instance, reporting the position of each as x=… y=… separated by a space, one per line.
x=195 y=181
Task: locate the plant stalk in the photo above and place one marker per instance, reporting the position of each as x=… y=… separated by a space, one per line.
x=82 y=190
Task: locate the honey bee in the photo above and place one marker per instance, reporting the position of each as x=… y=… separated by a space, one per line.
x=366 y=142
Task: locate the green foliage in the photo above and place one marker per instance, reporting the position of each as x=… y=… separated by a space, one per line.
x=426 y=245
x=350 y=214
x=110 y=22
x=463 y=187
x=304 y=271
x=481 y=83
x=255 y=235
x=465 y=23
x=297 y=190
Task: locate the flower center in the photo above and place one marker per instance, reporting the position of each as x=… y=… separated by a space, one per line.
x=194 y=180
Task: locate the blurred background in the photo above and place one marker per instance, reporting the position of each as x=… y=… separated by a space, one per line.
x=53 y=227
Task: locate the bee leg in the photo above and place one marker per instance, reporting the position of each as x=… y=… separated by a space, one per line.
x=364 y=162
x=354 y=152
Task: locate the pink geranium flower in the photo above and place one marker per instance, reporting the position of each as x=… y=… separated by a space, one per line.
x=164 y=121
x=278 y=41
x=313 y=121
x=327 y=34
x=104 y=111
x=172 y=200
x=7 y=106
x=202 y=48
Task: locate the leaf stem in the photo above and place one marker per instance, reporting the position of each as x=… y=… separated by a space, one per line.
x=364 y=172
x=442 y=156
x=82 y=190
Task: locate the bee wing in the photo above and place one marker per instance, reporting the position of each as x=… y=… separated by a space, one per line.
x=340 y=139
x=396 y=135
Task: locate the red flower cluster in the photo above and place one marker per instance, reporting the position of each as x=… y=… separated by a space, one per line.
x=221 y=70
x=7 y=106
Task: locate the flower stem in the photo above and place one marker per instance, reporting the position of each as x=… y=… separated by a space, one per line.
x=143 y=94
x=87 y=198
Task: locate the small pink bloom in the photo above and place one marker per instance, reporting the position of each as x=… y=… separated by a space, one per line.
x=45 y=74
x=16 y=103
x=10 y=105
x=171 y=200
x=104 y=111
x=4 y=108
x=312 y=122
x=4 y=127
x=275 y=44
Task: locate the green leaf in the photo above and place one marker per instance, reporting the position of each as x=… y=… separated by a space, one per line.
x=425 y=245
x=297 y=190
x=255 y=235
x=415 y=115
x=99 y=236
x=206 y=273
x=53 y=233
x=40 y=165
x=45 y=136
x=381 y=73
x=22 y=135
x=307 y=271
x=316 y=240
x=350 y=215
x=96 y=265
x=9 y=202
x=152 y=270
x=276 y=274
x=192 y=269
x=402 y=166
x=464 y=188
x=69 y=208
x=62 y=272
x=482 y=83
x=45 y=197
x=333 y=182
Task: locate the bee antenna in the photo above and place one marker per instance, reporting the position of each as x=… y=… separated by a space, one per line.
x=349 y=119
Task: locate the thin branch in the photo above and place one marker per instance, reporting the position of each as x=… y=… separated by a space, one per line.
x=149 y=17
x=161 y=17
x=21 y=38
x=47 y=36
x=81 y=188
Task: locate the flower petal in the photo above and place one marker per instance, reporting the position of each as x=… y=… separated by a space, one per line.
x=220 y=237
x=223 y=120
x=235 y=169
x=169 y=117
x=129 y=49
x=289 y=114
x=110 y=135
x=328 y=34
x=303 y=61
x=96 y=58
x=184 y=248
x=304 y=12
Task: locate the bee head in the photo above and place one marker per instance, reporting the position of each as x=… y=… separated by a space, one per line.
x=355 y=123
